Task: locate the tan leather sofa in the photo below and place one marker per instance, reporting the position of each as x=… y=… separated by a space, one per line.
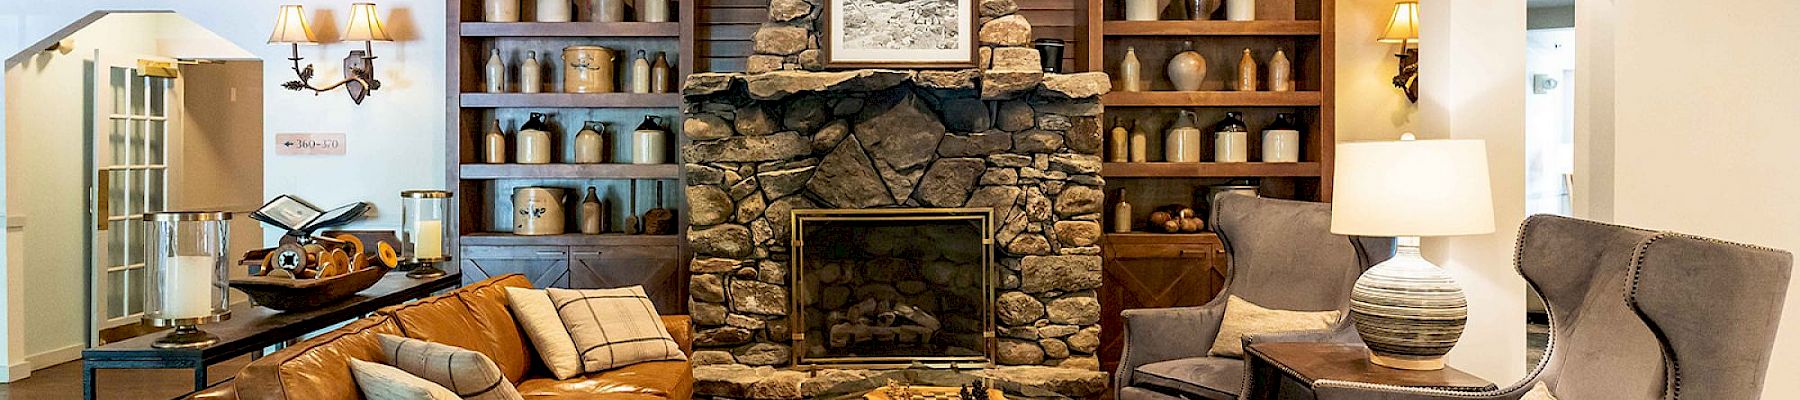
x=473 y=317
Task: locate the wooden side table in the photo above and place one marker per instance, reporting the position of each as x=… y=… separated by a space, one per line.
x=252 y=329
x=1289 y=370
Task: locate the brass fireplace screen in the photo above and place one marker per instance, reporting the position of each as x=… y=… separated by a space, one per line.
x=878 y=288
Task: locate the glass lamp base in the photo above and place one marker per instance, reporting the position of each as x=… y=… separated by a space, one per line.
x=185 y=337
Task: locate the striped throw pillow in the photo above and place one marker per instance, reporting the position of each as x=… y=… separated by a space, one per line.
x=613 y=328
x=470 y=374
x=382 y=382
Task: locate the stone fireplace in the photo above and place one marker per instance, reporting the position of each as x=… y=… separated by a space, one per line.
x=794 y=287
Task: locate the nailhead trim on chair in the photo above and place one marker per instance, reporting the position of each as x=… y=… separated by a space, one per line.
x=1637 y=265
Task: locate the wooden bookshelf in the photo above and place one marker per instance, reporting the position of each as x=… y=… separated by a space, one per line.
x=485 y=244
x=1154 y=270
x=571 y=100
x=1214 y=99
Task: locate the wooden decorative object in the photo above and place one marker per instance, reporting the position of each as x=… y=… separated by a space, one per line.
x=287 y=294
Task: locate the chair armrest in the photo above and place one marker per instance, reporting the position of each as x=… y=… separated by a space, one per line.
x=1344 y=390
x=1162 y=334
x=1343 y=332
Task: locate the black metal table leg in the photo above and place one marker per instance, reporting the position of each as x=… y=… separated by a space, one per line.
x=199 y=376
x=87 y=381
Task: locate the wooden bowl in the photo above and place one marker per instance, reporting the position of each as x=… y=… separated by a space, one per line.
x=306 y=294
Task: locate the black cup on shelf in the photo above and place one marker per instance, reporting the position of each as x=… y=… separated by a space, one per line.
x=1050 y=51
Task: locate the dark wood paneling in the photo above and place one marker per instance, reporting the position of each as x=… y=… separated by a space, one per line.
x=1154 y=271
x=657 y=269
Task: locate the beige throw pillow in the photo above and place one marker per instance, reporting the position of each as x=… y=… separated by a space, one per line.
x=533 y=310
x=614 y=327
x=382 y=382
x=1245 y=318
x=1539 y=392
x=467 y=373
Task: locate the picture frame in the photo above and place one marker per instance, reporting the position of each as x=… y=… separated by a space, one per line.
x=859 y=34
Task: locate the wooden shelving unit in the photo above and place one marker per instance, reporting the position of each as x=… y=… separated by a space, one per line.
x=1214 y=99
x=1154 y=270
x=571 y=100
x=485 y=243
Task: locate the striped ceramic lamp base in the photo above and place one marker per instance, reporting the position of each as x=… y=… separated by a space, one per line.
x=1408 y=311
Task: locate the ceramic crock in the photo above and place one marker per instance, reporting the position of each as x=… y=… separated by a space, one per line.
x=538 y=210
x=588 y=69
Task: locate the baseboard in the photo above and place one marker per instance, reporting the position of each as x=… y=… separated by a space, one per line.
x=16 y=372
x=53 y=357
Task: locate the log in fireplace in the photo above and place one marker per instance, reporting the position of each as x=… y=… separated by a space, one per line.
x=893 y=287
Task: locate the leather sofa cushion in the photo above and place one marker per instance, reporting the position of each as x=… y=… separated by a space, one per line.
x=647 y=380
x=487 y=303
x=1204 y=377
x=681 y=328
x=445 y=319
x=317 y=368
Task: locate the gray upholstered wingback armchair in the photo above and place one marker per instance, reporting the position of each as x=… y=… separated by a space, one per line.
x=1283 y=256
x=1636 y=314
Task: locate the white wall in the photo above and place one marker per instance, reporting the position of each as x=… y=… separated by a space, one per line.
x=1471 y=64
x=217 y=162
x=1705 y=143
x=1370 y=108
x=396 y=136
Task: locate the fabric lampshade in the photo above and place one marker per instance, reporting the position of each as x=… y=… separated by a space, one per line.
x=1412 y=188
x=365 y=25
x=290 y=26
x=1404 y=26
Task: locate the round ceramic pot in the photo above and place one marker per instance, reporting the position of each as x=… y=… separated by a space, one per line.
x=538 y=211
x=588 y=69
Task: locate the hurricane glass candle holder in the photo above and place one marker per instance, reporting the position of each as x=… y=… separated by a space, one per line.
x=423 y=237
x=186 y=270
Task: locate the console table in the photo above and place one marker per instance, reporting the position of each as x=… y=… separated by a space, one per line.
x=252 y=329
x=1289 y=370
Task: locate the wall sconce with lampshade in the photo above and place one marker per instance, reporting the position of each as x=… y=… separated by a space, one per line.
x=359 y=66
x=1403 y=29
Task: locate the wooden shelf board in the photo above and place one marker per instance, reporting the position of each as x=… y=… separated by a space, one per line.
x=1212 y=28
x=568 y=239
x=571 y=29
x=1208 y=170
x=571 y=100
x=578 y=171
x=1213 y=99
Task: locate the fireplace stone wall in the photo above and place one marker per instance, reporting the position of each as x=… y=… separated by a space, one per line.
x=791 y=135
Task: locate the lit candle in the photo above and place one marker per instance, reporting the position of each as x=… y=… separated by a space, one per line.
x=188 y=288
x=428 y=239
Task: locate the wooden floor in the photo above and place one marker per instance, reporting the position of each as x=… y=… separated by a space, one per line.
x=63 y=381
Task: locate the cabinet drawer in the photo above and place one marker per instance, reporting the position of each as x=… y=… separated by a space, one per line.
x=1195 y=251
x=515 y=252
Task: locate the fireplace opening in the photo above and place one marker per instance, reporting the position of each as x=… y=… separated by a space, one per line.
x=893 y=287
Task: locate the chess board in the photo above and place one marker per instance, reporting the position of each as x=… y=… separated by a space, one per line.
x=928 y=393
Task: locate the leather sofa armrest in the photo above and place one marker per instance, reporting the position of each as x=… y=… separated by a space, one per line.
x=222 y=391
x=681 y=328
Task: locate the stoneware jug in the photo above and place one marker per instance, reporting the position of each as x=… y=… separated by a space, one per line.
x=589 y=143
x=494 y=146
x=531 y=74
x=1183 y=141
x=538 y=210
x=500 y=11
x=588 y=69
x=653 y=11
x=1247 y=72
x=660 y=74
x=494 y=73
x=640 y=73
x=649 y=142
x=1187 y=69
x=1131 y=72
x=533 y=141
x=590 y=213
x=1143 y=10
x=606 y=10
x=1281 y=72
x=554 y=11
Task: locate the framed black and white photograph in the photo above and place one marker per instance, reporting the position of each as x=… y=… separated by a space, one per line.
x=900 y=33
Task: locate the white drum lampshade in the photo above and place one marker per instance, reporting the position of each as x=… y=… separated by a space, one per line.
x=1408 y=311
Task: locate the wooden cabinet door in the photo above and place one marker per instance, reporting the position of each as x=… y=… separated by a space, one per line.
x=657 y=268
x=1154 y=271
x=546 y=266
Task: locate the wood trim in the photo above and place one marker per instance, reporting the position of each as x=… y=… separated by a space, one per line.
x=1213 y=28
x=572 y=239
x=974 y=29
x=1209 y=170
x=1213 y=99
x=571 y=29
x=571 y=100
x=572 y=171
x=1327 y=137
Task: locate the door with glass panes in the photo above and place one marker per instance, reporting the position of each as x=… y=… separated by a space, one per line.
x=134 y=115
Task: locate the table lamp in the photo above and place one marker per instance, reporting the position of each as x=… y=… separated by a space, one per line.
x=1409 y=311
